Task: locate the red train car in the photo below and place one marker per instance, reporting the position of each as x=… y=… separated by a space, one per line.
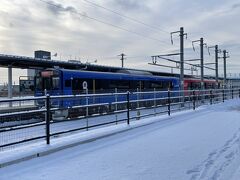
x=195 y=84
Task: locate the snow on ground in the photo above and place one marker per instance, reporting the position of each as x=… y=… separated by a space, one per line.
x=204 y=144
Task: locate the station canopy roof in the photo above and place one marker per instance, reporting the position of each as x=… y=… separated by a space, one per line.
x=37 y=63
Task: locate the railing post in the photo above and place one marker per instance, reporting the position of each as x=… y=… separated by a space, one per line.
x=239 y=93
x=138 y=111
x=211 y=97
x=87 y=114
x=223 y=95
x=194 y=100
x=128 y=107
x=47 y=118
x=169 y=102
x=116 y=105
x=154 y=101
x=232 y=93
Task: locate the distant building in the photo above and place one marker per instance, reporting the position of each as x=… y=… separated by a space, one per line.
x=42 y=54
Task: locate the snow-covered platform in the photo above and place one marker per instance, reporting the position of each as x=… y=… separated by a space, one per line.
x=201 y=144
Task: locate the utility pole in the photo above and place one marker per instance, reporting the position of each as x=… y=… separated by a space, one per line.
x=122 y=58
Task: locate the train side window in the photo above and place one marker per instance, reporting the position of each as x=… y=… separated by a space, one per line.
x=165 y=85
x=157 y=85
x=146 y=85
x=101 y=84
x=123 y=84
x=68 y=83
x=139 y=85
x=113 y=84
x=119 y=84
x=38 y=82
x=77 y=84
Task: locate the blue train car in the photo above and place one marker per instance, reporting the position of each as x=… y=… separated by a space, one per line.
x=69 y=82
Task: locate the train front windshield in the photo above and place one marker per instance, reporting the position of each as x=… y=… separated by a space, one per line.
x=48 y=80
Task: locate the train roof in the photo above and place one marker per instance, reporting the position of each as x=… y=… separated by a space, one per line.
x=117 y=75
x=199 y=80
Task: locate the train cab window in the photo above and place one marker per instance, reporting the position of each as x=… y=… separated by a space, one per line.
x=39 y=83
x=47 y=83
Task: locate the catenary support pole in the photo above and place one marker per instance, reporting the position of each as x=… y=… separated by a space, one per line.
x=47 y=117
x=10 y=86
x=216 y=64
x=202 y=59
x=182 y=61
x=224 y=69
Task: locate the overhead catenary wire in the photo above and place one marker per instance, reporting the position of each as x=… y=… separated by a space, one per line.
x=126 y=17
x=103 y=22
x=113 y=25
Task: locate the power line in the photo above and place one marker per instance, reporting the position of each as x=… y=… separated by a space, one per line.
x=103 y=22
x=126 y=17
x=130 y=18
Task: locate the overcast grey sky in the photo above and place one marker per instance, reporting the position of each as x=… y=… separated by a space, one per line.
x=29 y=25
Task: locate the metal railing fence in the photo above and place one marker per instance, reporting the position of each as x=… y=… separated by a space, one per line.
x=54 y=116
